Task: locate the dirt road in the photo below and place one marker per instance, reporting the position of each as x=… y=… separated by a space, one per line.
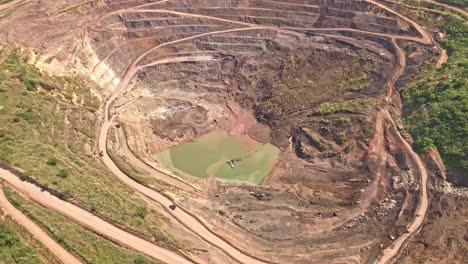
x=91 y=221
x=420 y=213
x=425 y=37
x=36 y=231
x=389 y=253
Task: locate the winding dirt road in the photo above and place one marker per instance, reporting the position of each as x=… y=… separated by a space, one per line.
x=392 y=251
x=60 y=252
x=420 y=213
x=90 y=221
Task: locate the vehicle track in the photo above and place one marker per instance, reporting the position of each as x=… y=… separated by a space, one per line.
x=90 y=221
x=59 y=251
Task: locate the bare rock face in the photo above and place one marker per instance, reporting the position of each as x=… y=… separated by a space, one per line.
x=310 y=77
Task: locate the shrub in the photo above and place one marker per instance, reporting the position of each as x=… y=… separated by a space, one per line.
x=142 y=212
x=52 y=162
x=63 y=173
x=30 y=84
x=140 y=260
x=349 y=148
x=341 y=138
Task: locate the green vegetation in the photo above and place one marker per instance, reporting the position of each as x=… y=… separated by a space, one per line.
x=349 y=148
x=350 y=106
x=460 y=3
x=345 y=131
x=142 y=212
x=131 y=171
x=52 y=162
x=89 y=246
x=437 y=101
x=44 y=117
x=284 y=97
x=25 y=247
x=351 y=82
x=13 y=249
x=63 y=173
x=248 y=76
x=355 y=77
x=319 y=144
x=341 y=138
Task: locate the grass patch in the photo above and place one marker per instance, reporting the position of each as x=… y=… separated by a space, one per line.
x=350 y=82
x=52 y=162
x=350 y=106
x=26 y=239
x=89 y=246
x=13 y=249
x=349 y=148
x=459 y=3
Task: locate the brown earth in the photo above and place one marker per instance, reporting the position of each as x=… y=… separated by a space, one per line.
x=315 y=78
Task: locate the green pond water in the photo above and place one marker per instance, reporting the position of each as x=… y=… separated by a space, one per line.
x=208 y=156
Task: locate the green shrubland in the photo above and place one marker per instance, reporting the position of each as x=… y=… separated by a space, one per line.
x=437 y=101
x=460 y=3
x=13 y=249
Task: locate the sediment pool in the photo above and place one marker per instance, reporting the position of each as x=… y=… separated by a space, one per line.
x=208 y=156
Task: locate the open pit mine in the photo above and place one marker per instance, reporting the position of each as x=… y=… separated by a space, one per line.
x=223 y=131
